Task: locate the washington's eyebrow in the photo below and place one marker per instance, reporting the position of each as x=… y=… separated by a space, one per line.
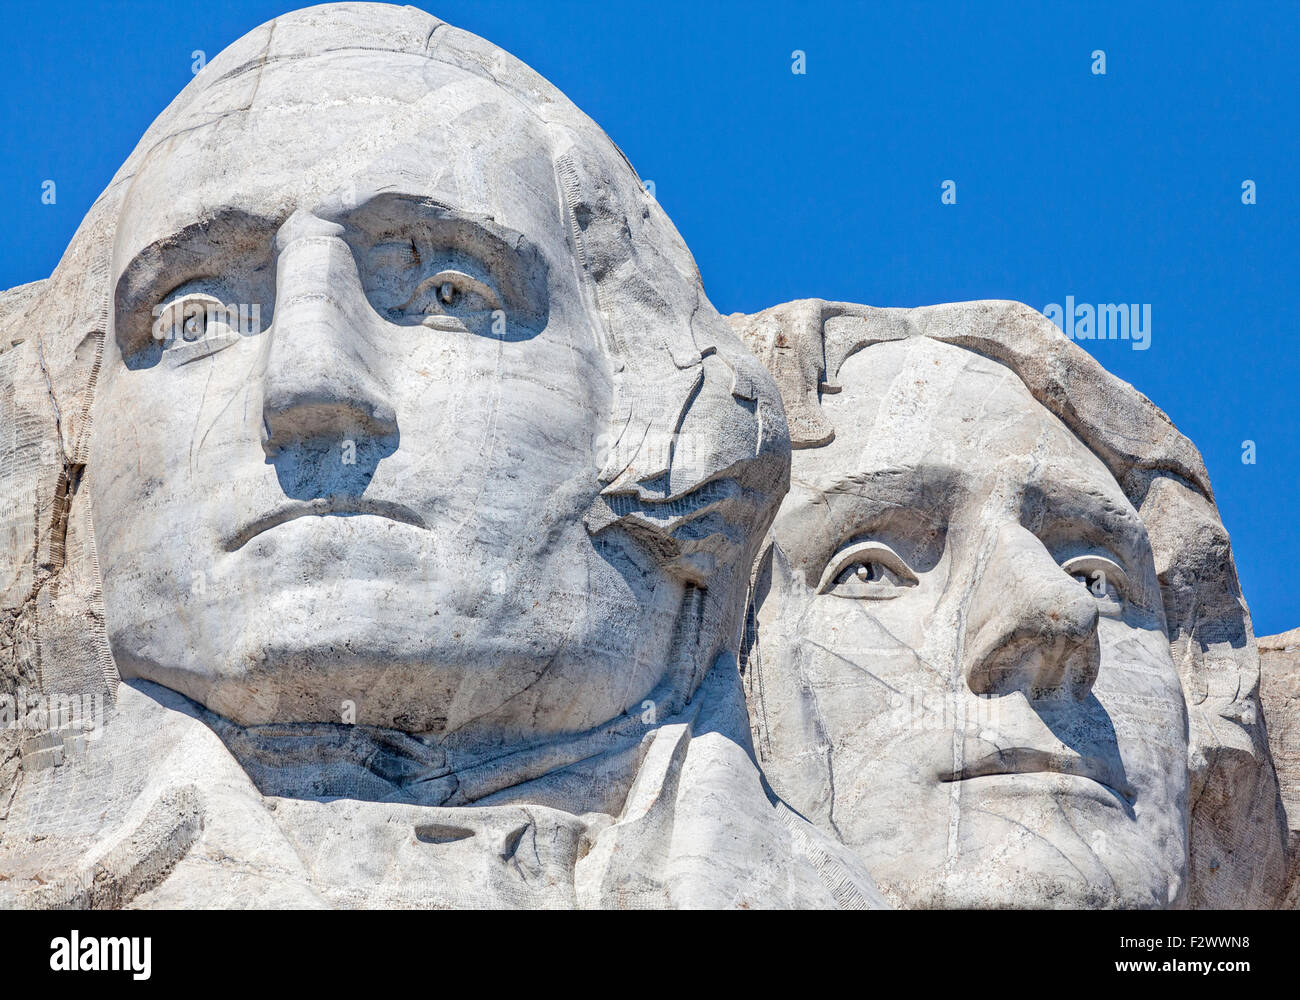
x=514 y=263
x=410 y=207
x=200 y=247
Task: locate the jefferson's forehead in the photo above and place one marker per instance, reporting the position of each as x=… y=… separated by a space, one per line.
x=303 y=131
x=921 y=403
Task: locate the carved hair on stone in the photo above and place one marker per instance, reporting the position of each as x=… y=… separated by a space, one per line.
x=1236 y=830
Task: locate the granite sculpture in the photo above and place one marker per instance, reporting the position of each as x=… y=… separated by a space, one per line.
x=387 y=513
x=997 y=642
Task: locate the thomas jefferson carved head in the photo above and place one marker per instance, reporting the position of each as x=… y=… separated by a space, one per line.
x=961 y=654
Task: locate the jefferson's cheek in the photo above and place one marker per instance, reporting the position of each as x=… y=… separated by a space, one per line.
x=879 y=637
x=1139 y=687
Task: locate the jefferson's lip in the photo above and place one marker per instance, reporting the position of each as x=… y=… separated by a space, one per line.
x=339 y=506
x=1030 y=760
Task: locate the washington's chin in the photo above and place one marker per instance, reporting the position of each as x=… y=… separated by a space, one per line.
x=364 y=677
x=449 y=680
x=411 y=698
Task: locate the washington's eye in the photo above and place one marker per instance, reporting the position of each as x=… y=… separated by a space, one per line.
x=424 y=265
x=867 y=570
x=193 y=325
x=449 y=300
x=1103 y=577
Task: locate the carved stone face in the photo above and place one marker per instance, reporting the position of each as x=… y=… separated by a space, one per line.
x=377 y=497
x=962 y=625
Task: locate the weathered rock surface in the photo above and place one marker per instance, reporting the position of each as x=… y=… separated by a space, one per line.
x=997 y=642
x=384 y=503
x=1280 y=693
x=380 y=512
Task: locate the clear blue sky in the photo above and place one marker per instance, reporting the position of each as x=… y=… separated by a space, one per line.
x=1123 y=187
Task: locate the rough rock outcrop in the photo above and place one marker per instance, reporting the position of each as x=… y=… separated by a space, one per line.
x=1280 y=693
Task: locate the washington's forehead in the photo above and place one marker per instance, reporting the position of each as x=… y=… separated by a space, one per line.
x=399 y=123
x=334 y=78
x=369 y=26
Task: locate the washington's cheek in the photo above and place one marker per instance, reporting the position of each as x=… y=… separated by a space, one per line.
x=150 y=499
x=562 y=641
x=505 y=526
x=142 y=581
x=488 y=445
x=609 y=627
x=167 y=437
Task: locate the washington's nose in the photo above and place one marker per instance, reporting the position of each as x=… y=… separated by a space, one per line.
x=319 y=380
x=1029 y=626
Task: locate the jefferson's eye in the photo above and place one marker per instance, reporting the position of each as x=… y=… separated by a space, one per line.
x=867 y=570
x=1103 y=577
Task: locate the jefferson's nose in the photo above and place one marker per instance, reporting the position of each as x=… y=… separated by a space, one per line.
x=1029 y=625
x=319 y=380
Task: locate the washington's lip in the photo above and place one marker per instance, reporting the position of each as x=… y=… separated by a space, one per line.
x=338 y=506
x=1030 y=760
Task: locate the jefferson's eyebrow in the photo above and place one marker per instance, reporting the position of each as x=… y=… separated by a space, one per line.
x=925 y=486
x=912 y=503
x=1113 y=518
